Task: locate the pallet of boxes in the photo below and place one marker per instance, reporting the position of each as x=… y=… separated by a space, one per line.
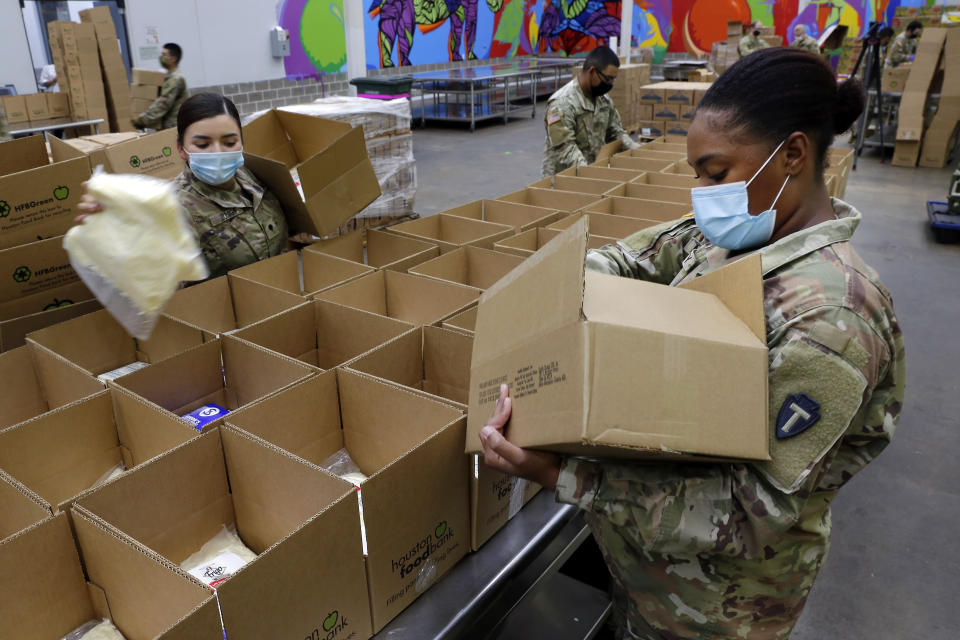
x=670 y=107
x=116 y=85
x=76 y=57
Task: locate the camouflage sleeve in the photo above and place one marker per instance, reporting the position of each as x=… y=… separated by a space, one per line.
x=740 y=509
x=898 y=53
x=561 y=134
x=615 y=131
x=655 y=254
x=173 y=87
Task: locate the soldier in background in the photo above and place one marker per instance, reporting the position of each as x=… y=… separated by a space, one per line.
x=802 y=41
x=731 y=550
x=581 y=118
x=904 y=46
x=752 y=41
x=162 y=114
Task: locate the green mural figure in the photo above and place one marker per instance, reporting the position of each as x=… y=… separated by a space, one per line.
x=399 y=18
x=322 y=34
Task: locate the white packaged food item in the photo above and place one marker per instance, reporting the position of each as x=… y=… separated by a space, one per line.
x=134 y=255
x=218 y=559
x=342 y=465
x=121 y=371
x=95 y=630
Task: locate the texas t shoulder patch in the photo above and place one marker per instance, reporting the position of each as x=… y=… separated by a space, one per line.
x=798 y=413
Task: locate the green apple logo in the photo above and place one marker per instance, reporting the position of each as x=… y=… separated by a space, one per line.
x=440 y=530
x=22 y=274
x=4 y=209
x=56 y=304
x=61 y=193
x=135 y=162
x=166 y=151
x=330 y=620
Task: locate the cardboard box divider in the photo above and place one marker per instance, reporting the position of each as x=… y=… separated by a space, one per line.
x=640 y=164
x=410 y=446
x=229 y=372
x=654 y=154
x=97 y=343
x=39 y=198
x=406 y=297
x=152 y=154
x=323 y=334
x=652 y=192
x=520 y=216
x=577 y=185
x=602 y=173
x=471 y=266
x=336 y=176
x=64 y=453
x=462 y=322
x=663 y=145
x=19 y=507
x=303 y=274
x=300 y=521
x=451 y=232
x=638 y=208
x=565 y=201
x=565 y=370
x=680 y=167
x=608 y=226
x=227 y=303
x=667 y=180
x=382 y=250
x=529 y=242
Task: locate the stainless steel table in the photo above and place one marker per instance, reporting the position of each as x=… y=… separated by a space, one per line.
x=53 y=124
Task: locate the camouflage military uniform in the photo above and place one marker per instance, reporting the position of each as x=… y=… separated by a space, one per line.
x=577 y=126
x=900 y=50
x=731 y=550
x=806 y=43
x=162 y=114
x=234 y=228
x=750 y=43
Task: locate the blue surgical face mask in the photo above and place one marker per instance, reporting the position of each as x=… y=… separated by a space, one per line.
x=216 y=168
x=723 y=215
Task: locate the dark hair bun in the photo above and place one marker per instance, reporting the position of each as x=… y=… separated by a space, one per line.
x=850 y=102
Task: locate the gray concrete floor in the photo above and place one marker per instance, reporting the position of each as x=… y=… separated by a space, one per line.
x=894 y=567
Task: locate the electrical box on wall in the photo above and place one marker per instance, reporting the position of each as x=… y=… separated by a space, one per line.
x=279 y=42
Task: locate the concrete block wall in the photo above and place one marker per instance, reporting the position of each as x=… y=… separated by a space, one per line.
x=265 y=94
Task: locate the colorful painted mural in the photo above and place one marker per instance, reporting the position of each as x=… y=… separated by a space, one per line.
x=317 y=41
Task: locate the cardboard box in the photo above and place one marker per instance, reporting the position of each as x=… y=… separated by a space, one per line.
x=227 y=303
x=37 y=199
x=138 y=106
x=319 y=271
x=33 y=268
x=654 y=154
x=520 y=216
x=49 y=597
x=471 y=266
x=37 y=106
x=677 y=128
x=144 y=92
x=38 y=385
x=565 y=201
x=383 y=250
x=608 y=226
x=148 y=77
x=336 y=177
x=652 y=192
x=668 y=111
x=97 y=14
x=405 y=297
x=651 y=95
x=14 y=329
x=607 y=151
x=225 y=371
x=578 y=185
x=410 y=447
x=529 y=242
x=650 y=128
x=301 y=522
x=58 y=105
x=601 y=173
x=569 y=390
x=20 y=508
x=323 y=334
x=152 y=154
x=639 y=164
x=895 y=79
x=638 y=208
x=462 y=322
x=16 y=109
x=451 y=232
x=667 y=180
x=65 y=453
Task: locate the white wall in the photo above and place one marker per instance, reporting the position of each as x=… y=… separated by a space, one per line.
x=223 y=41
x=17 y=67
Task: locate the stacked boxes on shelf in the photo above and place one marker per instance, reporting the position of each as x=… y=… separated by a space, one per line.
x=77 y=59
x=626 y=94
x=112 y=67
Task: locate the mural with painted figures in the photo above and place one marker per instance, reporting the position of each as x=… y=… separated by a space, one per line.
x=317 y=38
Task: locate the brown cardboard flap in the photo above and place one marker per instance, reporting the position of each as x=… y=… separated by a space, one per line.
x=22 y=396
x=465 y=322
x=20 y=507
x=348 y=246
x=276 y=176
x=266 y=137
x=609 y=226
x=740 y=287
x=291 y=333
x=551 y=281
x=423 y=300
x=175 y=383
x=389 y=251
x=446 y=363
x=400 y=360
x=311 y=134
x=169 y=338
x=253 y=302
x=41 y=577
x=280 y=272
x=63 y=382
x=144 y=430
x=206 y=305
x=253 y=372
x=368 y=293
x=95 y=342
x=321 y=271
x=22 y=154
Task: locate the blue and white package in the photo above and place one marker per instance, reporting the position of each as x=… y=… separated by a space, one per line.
x=206 y=414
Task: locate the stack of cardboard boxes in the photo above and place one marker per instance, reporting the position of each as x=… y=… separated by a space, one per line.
x=941 y=137
x=144 y=89
x=912 y=119
x=724 y=54
x=626 y=94
x=671 y=107
x=35 y=107
x=77 y=59
x=929 y=16
x=112 y=67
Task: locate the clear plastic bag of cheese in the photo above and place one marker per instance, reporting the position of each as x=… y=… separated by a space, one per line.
x=136 y=252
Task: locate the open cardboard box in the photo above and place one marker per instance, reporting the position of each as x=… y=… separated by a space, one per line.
x=228 y=372
x=307 y=578
x=608 y=226
x=702 y=390
x=577 y=185
x=48 y=596
x=640 y=164
x=410 y=447
x=406 y=297
x=451 y=232
x=636 y=208
x=19 y=508
x=150 y=154
x=471 y=266
x=331 y=160
x=566 y=201
x=34 y=268
x=319 y=272
x=652 y=192
x=602 y=173
x=227 y=303
x=528 y=243
x=64 y=453
x=14 y=330
x=36 y=385
x=39 y=199
x=463 y=322
x=323 y=334
x=98 y=344
x=520 y=216
x=667 y=180
x=382 y=250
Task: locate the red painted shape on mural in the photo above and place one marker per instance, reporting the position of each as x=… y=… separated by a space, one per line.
x=784 y=11
x=706 y=21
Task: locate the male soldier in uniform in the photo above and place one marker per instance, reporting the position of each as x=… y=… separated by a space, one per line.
x=581 y=118
x=751 y=42
x=802 y=41
x=162 y=114
x=904 y=45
